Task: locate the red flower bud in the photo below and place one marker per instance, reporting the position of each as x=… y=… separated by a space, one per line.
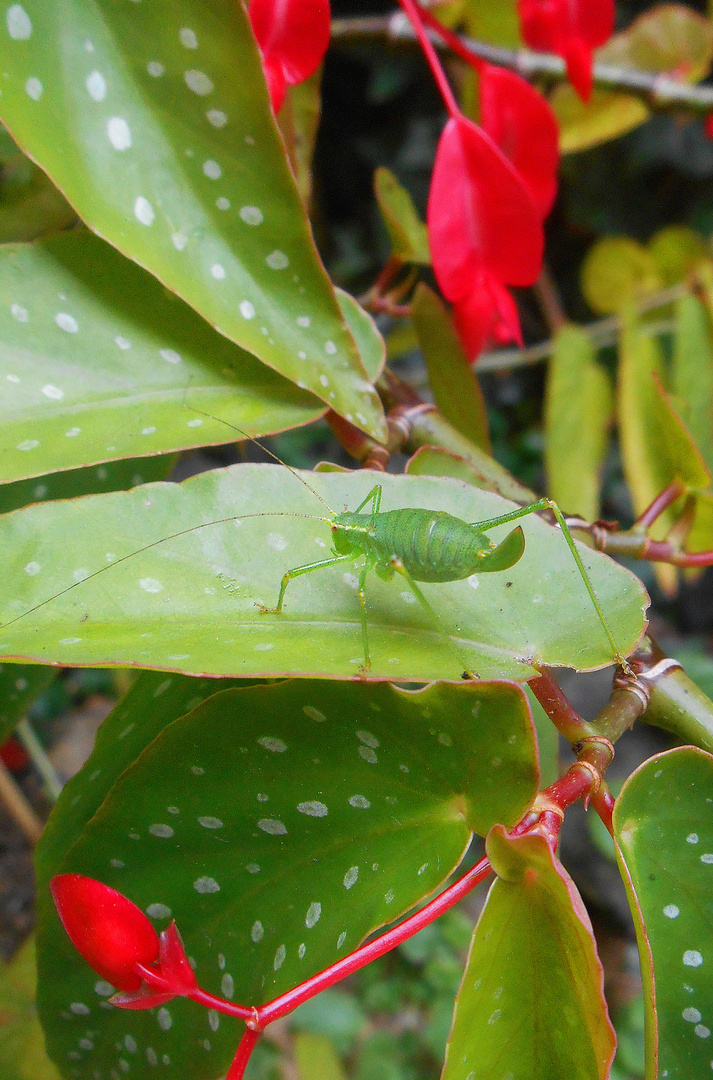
x=293 y=36
x=110 y=932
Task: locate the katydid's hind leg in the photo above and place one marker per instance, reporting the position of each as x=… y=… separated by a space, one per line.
x=548 y=504
x=399 y=567
x=374 y=497
x=298 y=572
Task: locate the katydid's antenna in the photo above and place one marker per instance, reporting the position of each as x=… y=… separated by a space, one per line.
x=252 y=438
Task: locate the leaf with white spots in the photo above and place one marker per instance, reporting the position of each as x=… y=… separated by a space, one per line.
x=154 y=701
x=531 y=1003
x=99 y=362
x=30 y=204
x=261 y=909
x=111 y=476
x=218 y=544
x=153 y=119
x=20 y=686
x=663 y=824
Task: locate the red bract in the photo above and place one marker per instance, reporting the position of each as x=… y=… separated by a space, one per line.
x=293 y=36
x=110 y=932
x=485 y=232
x=571 y=28
x=523 y=126
x=171 y=978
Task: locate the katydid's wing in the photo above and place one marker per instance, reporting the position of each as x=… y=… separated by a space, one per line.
x=506 y=554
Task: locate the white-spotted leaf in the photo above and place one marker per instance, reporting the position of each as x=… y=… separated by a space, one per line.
x=153 y=119
x=278 y=825
x=217 y=545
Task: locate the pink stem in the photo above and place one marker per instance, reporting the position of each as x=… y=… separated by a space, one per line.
x=242 y=1054
x=415 y=14
x=662 y=501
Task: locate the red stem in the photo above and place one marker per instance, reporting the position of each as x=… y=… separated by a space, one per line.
x=452 y=40
x=261 y=1015
x=416 y=14
x=661 y=551
x=662 y=501
x=242 y=1054
x=603 y=803
x=552 y=699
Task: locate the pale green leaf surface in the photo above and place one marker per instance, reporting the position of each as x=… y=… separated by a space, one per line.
x=455 y=386
x=531 y=1005
x=669 y=38
x=194 y=596
x=578 y=409
x=114 y=366
x=663 y=823
x=408 y=235
x=279 y=825
x=153 y=119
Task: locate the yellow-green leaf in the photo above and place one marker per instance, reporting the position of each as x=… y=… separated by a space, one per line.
x=22 y=1044
x=616 y=272
x=455 y=385
x=677 y=252
x=578 y=408
x=693 y=372
x=316 y=1058
x=668 y=38
x=407 y=232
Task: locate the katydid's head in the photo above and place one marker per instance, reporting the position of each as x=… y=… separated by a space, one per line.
x=118 y=941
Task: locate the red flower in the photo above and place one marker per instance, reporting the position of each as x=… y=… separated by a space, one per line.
x=119 y=942
x=293 y=36
x=110 y=932
x=570 y=28
x=485 y=232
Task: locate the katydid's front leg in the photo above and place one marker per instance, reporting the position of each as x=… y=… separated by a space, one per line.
x=298 y=572
x=374 y=497
x=548 y=504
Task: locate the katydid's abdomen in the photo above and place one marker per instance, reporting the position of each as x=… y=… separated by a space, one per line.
x=432 y=545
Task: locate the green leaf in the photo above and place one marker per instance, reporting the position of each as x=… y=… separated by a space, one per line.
x=407 y=232
x=298 y=121
x=154 y=701
x=656 y=446
x=663 y=825
x=479 y=469
x=113 y=367
x=22 y=1044
x=371 y=345
x=677 y=252
x=20 y=685
x=113 y=476
x=617 y=272
x=154 y=121
x=531 y=1003
x=494 y=21
x=578 y=409
x=455 y=386
x=669 y=38
x=279 y=825
x=214 y=549
x=693 y=373
x=316 y=1059
x=30 y=204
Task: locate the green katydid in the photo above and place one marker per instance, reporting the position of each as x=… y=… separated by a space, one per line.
x=421 y=545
